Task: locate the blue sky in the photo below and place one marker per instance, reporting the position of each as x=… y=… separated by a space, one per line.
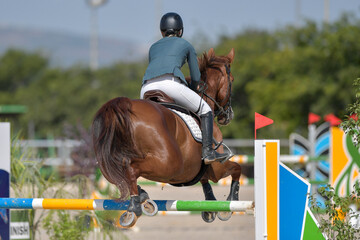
x=138 y=20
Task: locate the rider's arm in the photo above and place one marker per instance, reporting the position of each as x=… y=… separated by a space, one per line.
x=194 y=69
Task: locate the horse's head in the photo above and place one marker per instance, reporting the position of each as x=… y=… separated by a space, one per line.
x=216 y=84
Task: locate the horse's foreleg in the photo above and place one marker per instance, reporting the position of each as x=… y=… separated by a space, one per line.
x=207 y=189
x=235 y=172
x=209 y=195
x=234 y=191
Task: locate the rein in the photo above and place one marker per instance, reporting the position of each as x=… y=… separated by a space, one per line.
x=226 y=109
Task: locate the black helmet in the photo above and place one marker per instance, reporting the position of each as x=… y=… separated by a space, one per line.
x=171 y=23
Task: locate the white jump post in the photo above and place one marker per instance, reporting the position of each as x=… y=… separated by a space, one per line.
x=266 y=170
x=4 y=178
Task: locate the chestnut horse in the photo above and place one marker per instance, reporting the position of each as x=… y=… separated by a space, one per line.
x=142 y=138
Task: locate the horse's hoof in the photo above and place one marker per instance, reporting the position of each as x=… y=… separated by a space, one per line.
x=127 y=219
x=208 y=216
x=149 y=207
x=224 y=216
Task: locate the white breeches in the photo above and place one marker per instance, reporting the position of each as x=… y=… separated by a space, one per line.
x=174 y=88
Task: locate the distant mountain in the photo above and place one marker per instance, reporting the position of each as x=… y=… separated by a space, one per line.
x=65 y=49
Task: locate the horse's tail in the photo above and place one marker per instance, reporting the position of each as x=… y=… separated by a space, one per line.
x=113 y=141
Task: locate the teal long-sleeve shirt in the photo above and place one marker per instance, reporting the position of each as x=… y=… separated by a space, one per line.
x=168 y=55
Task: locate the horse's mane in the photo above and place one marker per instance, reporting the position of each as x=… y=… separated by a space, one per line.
x=211 y=61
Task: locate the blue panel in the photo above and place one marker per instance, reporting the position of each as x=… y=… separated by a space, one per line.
x=322 y=144
x=299 y=150
x=293 y=197
x=324 y=166
x=319 y=176
x=4 y=213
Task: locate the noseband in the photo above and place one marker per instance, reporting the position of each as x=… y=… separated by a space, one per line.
x=226 y=108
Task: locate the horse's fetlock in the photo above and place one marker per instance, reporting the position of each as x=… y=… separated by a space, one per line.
x=135 y=205
x=234 y=191
x=143 y=194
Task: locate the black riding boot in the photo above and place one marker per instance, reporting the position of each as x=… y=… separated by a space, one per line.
x=209 y=155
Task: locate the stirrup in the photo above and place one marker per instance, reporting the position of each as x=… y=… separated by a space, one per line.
x=215 y=157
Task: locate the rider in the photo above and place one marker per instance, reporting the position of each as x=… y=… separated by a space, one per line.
x=166 y=57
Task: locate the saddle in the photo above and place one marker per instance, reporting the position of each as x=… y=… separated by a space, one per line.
x=158 y=96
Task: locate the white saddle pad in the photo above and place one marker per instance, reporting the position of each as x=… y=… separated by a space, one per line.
x=191 y=123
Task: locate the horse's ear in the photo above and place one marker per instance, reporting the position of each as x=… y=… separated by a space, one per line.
x=211 y=52
x=231 y=55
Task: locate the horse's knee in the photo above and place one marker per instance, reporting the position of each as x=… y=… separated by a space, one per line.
x=235 y=171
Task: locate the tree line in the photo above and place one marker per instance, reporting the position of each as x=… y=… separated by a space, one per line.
x=283 y=74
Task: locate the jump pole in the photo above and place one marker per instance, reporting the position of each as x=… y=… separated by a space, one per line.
x=110 y=204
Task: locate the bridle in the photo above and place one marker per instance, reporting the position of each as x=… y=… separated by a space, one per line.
x=220 y=108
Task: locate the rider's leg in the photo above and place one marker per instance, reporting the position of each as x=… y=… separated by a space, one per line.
x=209 y=155
x=178 y=91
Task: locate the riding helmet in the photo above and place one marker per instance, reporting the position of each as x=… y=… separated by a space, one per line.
x=171 y=23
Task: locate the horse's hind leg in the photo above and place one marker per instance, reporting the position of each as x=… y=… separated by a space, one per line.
x=143 y=194
x=148 y=206
x=129 y=218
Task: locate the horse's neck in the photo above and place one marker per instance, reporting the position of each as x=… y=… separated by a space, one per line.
x=209 y=92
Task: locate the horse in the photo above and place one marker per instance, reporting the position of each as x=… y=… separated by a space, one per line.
x=135 y=138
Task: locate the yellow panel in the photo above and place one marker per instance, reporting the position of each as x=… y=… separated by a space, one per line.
x=338 y=157
x=73 y=204
x=272 y=189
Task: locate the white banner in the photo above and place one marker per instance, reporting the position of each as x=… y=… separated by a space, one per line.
x=19 y=230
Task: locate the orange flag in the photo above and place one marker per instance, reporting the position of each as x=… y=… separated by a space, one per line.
x=261 y=121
